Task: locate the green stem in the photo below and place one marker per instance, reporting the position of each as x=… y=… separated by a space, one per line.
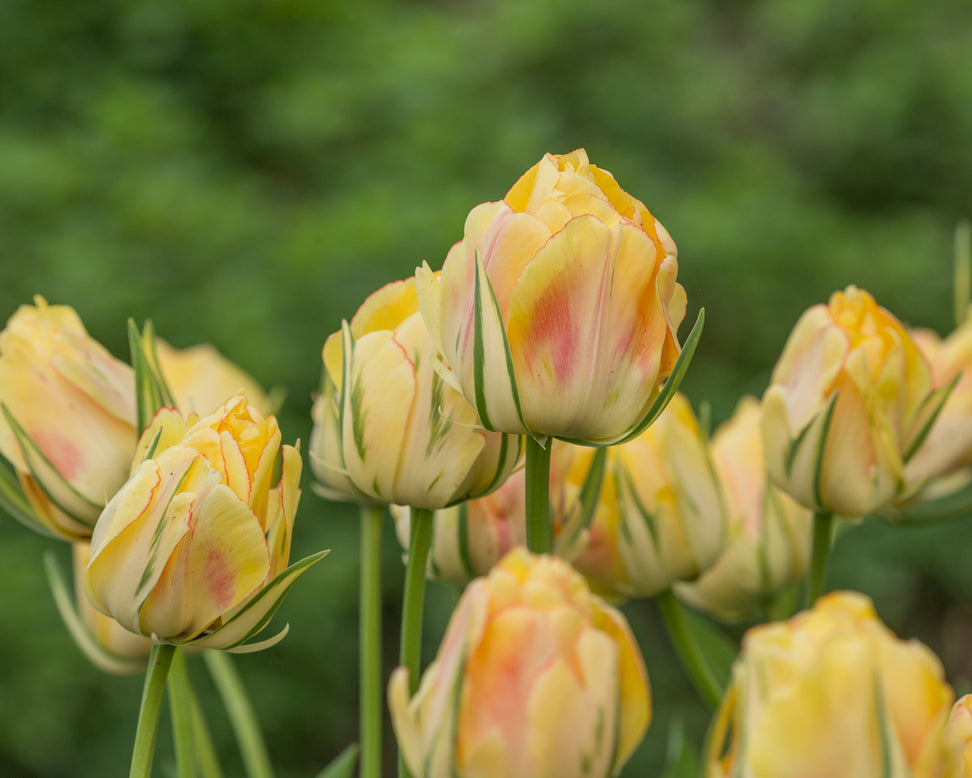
x=822 y=529
x=413 y=604
x=148 y=715
x=180 y=709
x=370 y=680
x=539 y=530
x=687 y=649
x=241 y=715
x=205 y=751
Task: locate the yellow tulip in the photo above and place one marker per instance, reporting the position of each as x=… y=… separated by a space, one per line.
x=201 y=379
x=387 y=427
x=958 y=733
x=114 y=649
x=851 y=398
x=559 y=308
x=832 y=692
x=769 y=533
x=661 y=515
x=535 y=678
x=68 y=418
x=948 y=447
x=194 y=547
x=468 y=539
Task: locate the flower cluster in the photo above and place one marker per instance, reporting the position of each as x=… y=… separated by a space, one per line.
x=518 y=412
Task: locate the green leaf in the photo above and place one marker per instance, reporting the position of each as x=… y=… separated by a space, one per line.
x=719 y=650
x=342 y=766
x=151 y=390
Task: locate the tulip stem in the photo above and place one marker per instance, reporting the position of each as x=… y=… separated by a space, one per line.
x=413 y=604
x=370 y=679
x=539 y=530
x=687 y=648
x=148 y=715
x=180 y=710
x=822 y=530
x=242 y=718
x=205 y=753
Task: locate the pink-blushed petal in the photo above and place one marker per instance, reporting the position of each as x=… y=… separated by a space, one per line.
x=235 y=632
x=221 y=561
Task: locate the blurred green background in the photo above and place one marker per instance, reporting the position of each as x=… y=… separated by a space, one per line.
x=245 y=173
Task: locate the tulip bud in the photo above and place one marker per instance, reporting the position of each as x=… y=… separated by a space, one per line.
x=535 y=678
x=832 y=692
x=948 y=447
x=850 y=400
x=558 y=310
x=769 y=533
x=958 y=733
x=387 y=427
x=661 y=516
x=194 y=547
x=200 y=379
x=68 y=418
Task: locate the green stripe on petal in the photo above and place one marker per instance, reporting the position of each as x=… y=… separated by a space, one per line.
x=14 y=502
x=151 y=390
x=489 y=337
x=256 y=614
x=930 y=407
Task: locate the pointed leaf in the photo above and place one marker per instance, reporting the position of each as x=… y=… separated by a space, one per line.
x=343 y=764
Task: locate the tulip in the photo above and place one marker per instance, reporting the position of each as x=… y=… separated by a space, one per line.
x=535 y=677
x=948 y=447
x=769 y=533
x=200 y=379
x=958 y=733
x=468 y=539
x=661 y=515
x=558 y=310
x=193 y=549
x=851 y=398
x=832 y=692
x=112 y=647
x=68 y=418
x=387 y=427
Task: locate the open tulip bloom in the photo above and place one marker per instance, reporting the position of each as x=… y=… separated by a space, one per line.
x=558 y=310
x=193 y=549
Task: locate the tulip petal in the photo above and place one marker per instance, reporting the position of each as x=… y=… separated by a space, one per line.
x=256 y=614
x=14 y=502
x=48 y=477
x=217 y=564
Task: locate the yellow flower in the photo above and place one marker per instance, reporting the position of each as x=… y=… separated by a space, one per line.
x=468 y=539
x=535 y=678
x=201 y=379
x=832 y=692
x=660 y=517
x=387 y=427
x=769 y=533
x=948 y=447
x=112 y=648
x=851 y=397
x=194 y=547
x=958 y=733
x=558 y=310
x=68 y=418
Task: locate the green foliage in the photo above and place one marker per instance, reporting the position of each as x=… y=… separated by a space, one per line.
x=246 y=173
